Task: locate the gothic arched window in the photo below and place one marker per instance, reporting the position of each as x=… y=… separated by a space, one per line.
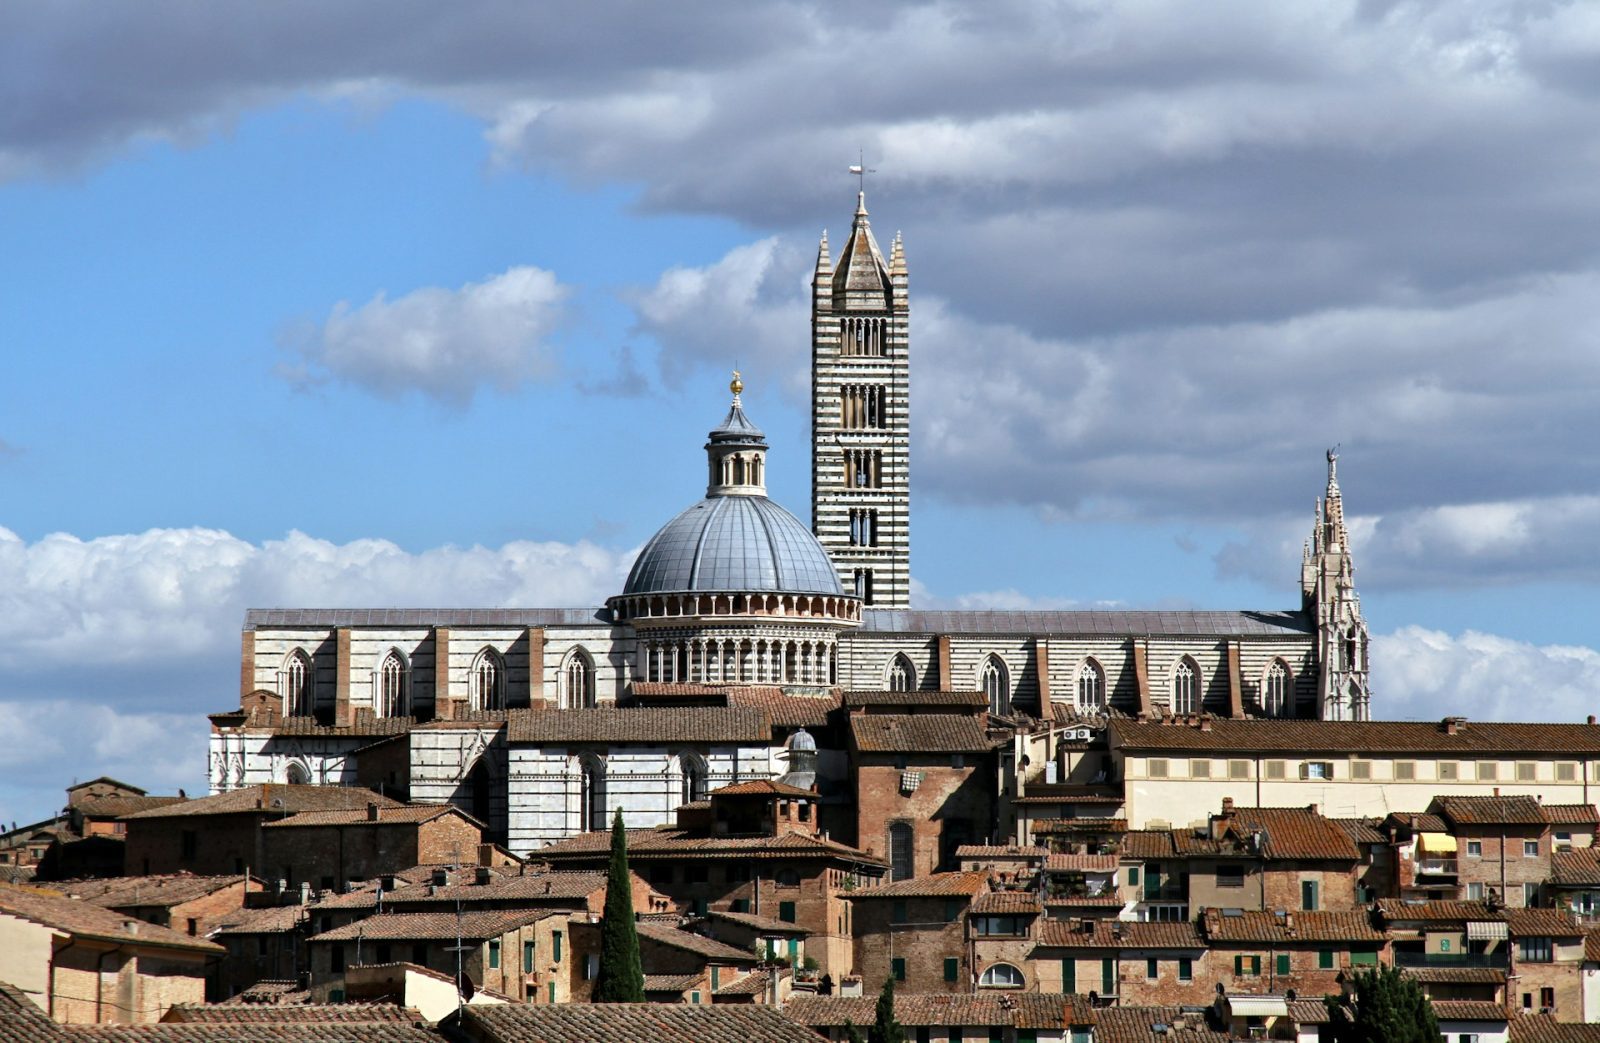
x=297 y=774
x=1184 y=677
x=694 y=778
x=577 y=681
x=394 y=686
x=592 y=798
x=902 y=675
x=488 y=681
x=299 y=687
x=996 y=685
x=1091 y=686
x=1002 y=976
x=1275 y=691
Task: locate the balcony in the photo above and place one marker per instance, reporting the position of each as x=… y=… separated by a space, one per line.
x=1436 y=867
x=1496 y=960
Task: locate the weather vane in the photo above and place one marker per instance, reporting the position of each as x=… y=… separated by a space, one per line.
x=861 y=170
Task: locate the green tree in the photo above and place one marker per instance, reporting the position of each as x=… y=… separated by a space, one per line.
x=1388 y=1008
x=886 y=1029
x=851 y=1033
x=621 y=977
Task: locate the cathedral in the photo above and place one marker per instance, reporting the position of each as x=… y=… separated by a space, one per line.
x=743 y=636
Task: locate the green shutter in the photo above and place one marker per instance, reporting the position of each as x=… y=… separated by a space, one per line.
x=1363 y=959
x=899 y=966
x=952 y=968
x=952 y=911
x=716 y=975
x=694 y=997
x=1152 y=969
x=1325 y=960
x=794 y=948
x=1108 y=976
x=1283 y=963
x=1185 y=969
x=553 y=993
x=1133 y=876
x=786 y=912
x=1238 y=966
x=897 y=912
x=1069 y=975
x=527 y=957
x=494 y=954
x=1255 y=965
x=555 y=938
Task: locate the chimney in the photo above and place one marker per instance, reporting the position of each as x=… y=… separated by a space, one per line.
x=441 y=877
x=1591 y=718
x=482 y=876
x=372 y=812
x=1205 y=723
x=1454 y=725
x=1227 y=807
x=386 y=881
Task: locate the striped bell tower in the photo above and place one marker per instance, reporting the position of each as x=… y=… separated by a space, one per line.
x=861 y=415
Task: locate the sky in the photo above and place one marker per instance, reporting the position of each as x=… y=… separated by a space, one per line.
x=405 y=304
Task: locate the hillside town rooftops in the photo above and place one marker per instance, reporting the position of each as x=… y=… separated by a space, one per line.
x=656 y=1022
x=1033 y=1010
x=85 y=920
x=934 y=885
x=274 y=799
x=1291 y=928
x=918 y=733
x=163 y=890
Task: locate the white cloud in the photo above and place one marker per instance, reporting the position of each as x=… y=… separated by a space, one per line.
x=1427 y=674
x=445 y=344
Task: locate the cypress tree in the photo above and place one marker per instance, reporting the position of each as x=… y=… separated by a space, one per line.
x=886 y=1029
x=1389 y=1008
x=621 y=978
x=851 y=1033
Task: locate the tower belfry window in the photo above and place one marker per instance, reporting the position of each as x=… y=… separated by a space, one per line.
x=863 y=468
x=488 y=681
x=863 y=585
x=1183 y=687
x=299 y=685
x=393 y=686
x=1091 y=686
x=996 y=685
x=902 y=675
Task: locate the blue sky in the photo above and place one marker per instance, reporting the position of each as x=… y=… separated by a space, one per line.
x=311 y=307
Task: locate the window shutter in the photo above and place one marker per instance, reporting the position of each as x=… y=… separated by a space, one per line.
x=1069 y=975
x=1283 y=963
x=899 y=966
x=952 y=968
x=1238 y=966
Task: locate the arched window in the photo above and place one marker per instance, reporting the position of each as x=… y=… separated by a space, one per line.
x=299 y=685
x=394 y=685
x=902 y=675
x=1091 y=686
x=577 y=681
x=902 y=863
x=1001 y=976
x=592 y=799
x=488 y=681
x=1275 y=690
x=996 y=685
x=694 y=778
x=297 y=774
x=1183 y=687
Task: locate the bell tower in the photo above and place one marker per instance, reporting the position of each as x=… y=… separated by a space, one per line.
x=861 y=415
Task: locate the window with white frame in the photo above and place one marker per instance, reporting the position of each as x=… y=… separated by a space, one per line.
x=996 y=685
x=577 y=681
x=299 y=688
x=1276 y=699
x=902 y=675
x=1091 y=686
x=394 y=677
x=488 y=681
x=1002 y=976
x=1183 y=687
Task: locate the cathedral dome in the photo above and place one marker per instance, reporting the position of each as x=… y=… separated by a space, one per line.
x=734 y=543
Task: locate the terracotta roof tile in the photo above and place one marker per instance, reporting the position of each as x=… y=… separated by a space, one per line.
x=1303 y=737
x=1006 y=903
x=656 y=1022
x=531 y=888
x=672 y=982
x=676 y=843
x=1147 y=843
x=761 y=787
x=1081 y=863
x=1309 y=1012
x=1468 y=1010
x=698 y=944
x=265 y=798
x=918 y=733
x=1571 y=814
x=1543 y=1028
x=1396 y=911
x=1362 y=830
x=1253 y=926
x=116 y=807
x=22 y=1020
x=1081 y=825
x=261 y=1014
x=652 y=725
x=1139 y=1025
x=1036 y=1010
x=131 y=892
x=276 y=919
x=258 y=1032
x=84 y=920
x=762 y=924
x=881 y=697
x=1554 y=923
x=1001 y=851
x=1489 y=811
x=1591 y=946
x=787 y=711
x=475 y=924
x=1456 y=975
x=753 y=984
x=405 y=815
x=1419 y=822
x=1296 y=834
x=935 y=885
x=1117 y=934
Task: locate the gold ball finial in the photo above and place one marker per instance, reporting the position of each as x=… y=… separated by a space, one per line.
x=736 y=385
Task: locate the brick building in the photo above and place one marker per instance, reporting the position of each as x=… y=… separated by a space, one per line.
x=331 y=848
x=915 y=931
x=1312 y=953
x=1031 y=1017
x=1128 y=963
x=180 y=901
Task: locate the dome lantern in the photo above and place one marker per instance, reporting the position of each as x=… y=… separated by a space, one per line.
x=736 y=452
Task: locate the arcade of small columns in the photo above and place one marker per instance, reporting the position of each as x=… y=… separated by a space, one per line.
x=645 y=608
x=864 y=336
x=781 y=657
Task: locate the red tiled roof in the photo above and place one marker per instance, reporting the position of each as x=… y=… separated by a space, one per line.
x=84 y=920
x=1081 y=863
x=274 y=799
x=262 y=1014
x=752 y=984
x=275 y=919
x=1419 y=822
x=672 y=982
x=1116 y=934
x=474 y=924
x=116 y=807
x=678 y=843
x=656 y=1022
x=1252 y=926
x=1488 y=811
x=1036 y=1010
x=1554 y=923
x=1591 y=946
x=406 y=815
x=654 y=725
x=688 y=941
x=1138 y=1025
x=22 y=1020
x=918 y=733
x=880 y=697
x=1002 y=852
x=1394 y=910
x=760 y=924
x=936 y=885
x=1468 y=1010
x=530 y=888
x=1543 y=1028
x=1308 y=737
x=761 y=787
x=142 y=892
x=1456 y=975
x=1006 y=903
x=1147 y=843
x=1362 y=830
x=1081 y=825
x=1296 y=834
x=1571 y=814
x=787 y=711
